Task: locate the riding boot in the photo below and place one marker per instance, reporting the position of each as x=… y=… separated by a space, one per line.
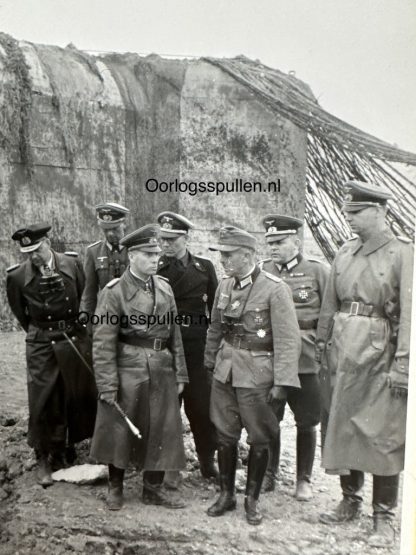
x=257 y=465
x=305 y=454
x=270 y=477
x=115 y=488
x=227 y=463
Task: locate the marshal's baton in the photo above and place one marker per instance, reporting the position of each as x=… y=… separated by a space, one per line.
x=129 y=423
x=121 y=412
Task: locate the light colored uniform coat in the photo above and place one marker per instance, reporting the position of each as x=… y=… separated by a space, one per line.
x=367 y=425
x=145 y=379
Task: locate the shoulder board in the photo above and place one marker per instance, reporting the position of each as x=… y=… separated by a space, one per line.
x=203 y=257
x=11 y=268
x=111 y=283
x=162 y=277
x=71 y=253
x=312 y=259
x=265 y=260
x=351 y=239
x=272 y=277
x=404 y=239
x=93 y=244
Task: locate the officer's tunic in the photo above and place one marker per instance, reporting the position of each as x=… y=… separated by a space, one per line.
x=307 y=280
x=61 y=390
x=260 y=317
x=194 y=287
x=102 y=264
x=367 y=425
x=144 y=378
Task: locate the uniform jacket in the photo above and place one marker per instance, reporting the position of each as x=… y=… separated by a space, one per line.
x=48 y=352
x=307 y=280
x=194 y=289
x=102 y=264
x=265 y=309
x=124 y=368
x=366 y=428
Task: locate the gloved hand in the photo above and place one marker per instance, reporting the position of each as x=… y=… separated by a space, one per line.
x=109 y=397
x=319 y=349
x=208 y=369
x=277 y=393
x=180 y=387
x=398 y=378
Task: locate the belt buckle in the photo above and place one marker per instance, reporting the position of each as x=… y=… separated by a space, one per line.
x=354 y=308
x=157 y=344
x=62 y=325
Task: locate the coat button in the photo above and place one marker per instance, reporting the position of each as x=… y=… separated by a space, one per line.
x=53 y=342
x=70 y=310
x=67 y=298
x=50 y=329
x=73 y=338
x=49 y=317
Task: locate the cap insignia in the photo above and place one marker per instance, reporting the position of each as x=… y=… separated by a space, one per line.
x=25 y=240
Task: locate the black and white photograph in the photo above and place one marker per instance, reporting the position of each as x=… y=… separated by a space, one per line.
x=207 y=246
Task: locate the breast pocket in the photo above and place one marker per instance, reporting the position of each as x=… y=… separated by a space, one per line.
x=257 y=317
x=304 y=291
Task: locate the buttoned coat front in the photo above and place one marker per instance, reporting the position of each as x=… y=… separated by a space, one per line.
x=269 y=314
x=144 y=379
x=367 y=425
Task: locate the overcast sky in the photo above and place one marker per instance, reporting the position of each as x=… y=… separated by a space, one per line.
x=358 y=56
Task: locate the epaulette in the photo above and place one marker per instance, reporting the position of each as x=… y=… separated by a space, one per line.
x=404 y=239
x=351 y=239
x=93 y=244
x=265 y=260
x=312 y=259
x=111 y=283
x=203 y=257
x=272 y=277
x=71 y=253
x=11 y=268
x=164 y=278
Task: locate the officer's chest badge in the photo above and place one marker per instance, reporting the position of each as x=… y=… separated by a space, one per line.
x=304 y=295
x=235 y=305
x=204 y=297
x=258 y=319
x=261 y=333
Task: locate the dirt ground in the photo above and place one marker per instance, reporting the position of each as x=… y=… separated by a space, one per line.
x=70 y=518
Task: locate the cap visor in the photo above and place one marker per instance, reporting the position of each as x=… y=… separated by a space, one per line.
x=31 y=248
x=146 y=249
x=110 y=225
x=172 y=233
x=224 y=248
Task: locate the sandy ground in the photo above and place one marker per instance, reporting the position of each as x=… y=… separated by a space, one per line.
x=70 y=518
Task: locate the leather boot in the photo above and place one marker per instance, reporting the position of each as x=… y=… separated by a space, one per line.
x=385 y=493
x=305 y=454
x=153 y=493
x=115 y=488
x=272 y=472
x=350 y=506
x=227 y=462
x=44 y=474
x=257 y=464
x=207 y=466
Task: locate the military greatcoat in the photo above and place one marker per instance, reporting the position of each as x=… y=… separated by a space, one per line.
x=61 y=390
x=145 y=379
x=367 y=425
x=103 y=263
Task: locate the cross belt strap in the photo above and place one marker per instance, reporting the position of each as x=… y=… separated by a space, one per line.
x=251 y=343
x=355 y=308
x=156 y=343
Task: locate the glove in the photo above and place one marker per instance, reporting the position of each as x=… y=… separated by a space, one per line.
x=109 y=397
x=398 y=379
x=208 y=369
x=277 y=393
x=180 y=387
x=319 y=349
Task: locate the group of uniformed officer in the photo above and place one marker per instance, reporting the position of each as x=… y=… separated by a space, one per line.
x=260 y=351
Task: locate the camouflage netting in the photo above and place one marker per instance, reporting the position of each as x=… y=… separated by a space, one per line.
x=336 y=152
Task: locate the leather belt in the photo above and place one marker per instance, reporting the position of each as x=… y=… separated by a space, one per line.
x=355 y=308
x=156 y=344
x=55 y=325
x=308 y=324
x=246 y=342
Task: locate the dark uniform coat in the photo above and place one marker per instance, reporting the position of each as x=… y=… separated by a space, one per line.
x=307 y=280
x=145 y=379
x=194 y=287
x=102 y=264
x=62 y=393
x=367 y=425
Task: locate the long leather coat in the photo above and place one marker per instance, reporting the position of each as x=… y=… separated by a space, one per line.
x=51 y=359
x=367 y=425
